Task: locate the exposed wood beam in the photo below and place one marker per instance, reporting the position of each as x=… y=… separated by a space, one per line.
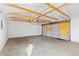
x=26 y=17
x=53 y=9
x=22 y=15
x=51 y=6
x=15 y=17
x=58 y=22
x=62 y=5
x=19 y=20
x=61 y=21
x=23 y=19
x=26 y=9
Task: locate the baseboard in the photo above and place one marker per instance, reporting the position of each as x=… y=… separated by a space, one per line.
x=61 y=39
x=58 y=38
x=24 y=36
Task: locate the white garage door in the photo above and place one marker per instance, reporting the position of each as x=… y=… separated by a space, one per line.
x=55 y=30
x=49 y=30
x=44 y=30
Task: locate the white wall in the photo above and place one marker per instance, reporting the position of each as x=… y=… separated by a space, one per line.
x=21 y=29
x=75 y=29
x=3 y=32
x=74 y=11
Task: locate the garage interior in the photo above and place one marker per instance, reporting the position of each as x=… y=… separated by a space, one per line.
x=39 y=29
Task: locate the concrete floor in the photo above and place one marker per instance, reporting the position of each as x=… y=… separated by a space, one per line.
x=43 y=46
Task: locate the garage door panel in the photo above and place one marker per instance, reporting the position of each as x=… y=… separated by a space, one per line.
x=64 y=29
x=49 y=30
x=55 y=30
x=44 y=30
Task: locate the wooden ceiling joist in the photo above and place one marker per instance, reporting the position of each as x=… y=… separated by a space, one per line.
x=19 y=20
x=22 y=19
x=26 y=9
x=54 y=9
x=57 y=9
x=22 y=15
x=57 y=22
x=62 y=5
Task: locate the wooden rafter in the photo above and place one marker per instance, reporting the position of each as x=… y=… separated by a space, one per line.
x=26 y=17
x=25 y=9
x=15 y=17
x=51 y=6
x=58 y=22
x=18 y=20
x=23 y=19
x=62 y=5
x=22 y=15
x=53 y=9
